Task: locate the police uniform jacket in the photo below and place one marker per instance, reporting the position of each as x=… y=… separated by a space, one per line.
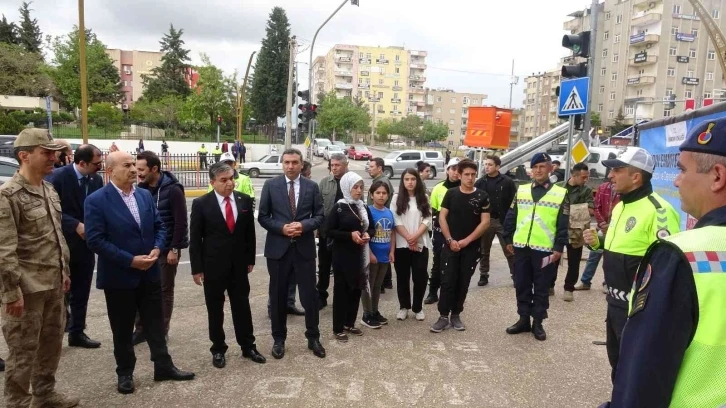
x=34 y=256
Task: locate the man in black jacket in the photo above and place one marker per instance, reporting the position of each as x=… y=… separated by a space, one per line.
x=74 y=183
x=168 y=194
x=501 y=191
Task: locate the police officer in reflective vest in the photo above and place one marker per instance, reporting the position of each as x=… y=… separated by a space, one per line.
x=673 y=349
x=242 y=183
x=638 y=220
x=536 y=230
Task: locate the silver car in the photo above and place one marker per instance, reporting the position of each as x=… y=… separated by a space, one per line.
x=396 y=162
x=8 y=167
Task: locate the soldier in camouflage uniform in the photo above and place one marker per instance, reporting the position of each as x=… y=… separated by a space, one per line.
x=34 y=261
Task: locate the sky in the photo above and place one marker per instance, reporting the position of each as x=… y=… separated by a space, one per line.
x=470 y=43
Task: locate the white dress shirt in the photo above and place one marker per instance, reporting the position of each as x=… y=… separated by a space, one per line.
x=130 y=201
x=297 y=188
x=223 y=205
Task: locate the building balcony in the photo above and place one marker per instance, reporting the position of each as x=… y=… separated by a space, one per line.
x=641 y=60
x=364 y=86
x=420 y=104
x=417 y=66
x=639 y=99
x=644 y=39
x=419 y=53
x=395 y=100
x=342 y=73
x=417 y=78
x=396 y=113
x=644 y=2
x=382 y=61
x=343 y=85
x=364 y=73
x=641 y=80
x=397 y=88
x=573 y=25
x=645 y=18
x=365 y=61
x=343 y=58
x=417 y=91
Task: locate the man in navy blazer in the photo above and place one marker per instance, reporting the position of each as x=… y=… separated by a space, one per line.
x=124 y=228
x=291 y=209
x=74 y=183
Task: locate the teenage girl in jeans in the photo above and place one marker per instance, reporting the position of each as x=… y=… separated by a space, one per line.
x=412 y=216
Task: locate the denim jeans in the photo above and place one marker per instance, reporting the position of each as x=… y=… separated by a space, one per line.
x=591 y=267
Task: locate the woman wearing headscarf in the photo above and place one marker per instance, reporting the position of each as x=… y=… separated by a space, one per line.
x=348 y=230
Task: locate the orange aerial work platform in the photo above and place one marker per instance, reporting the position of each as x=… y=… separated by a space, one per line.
x=488 y=127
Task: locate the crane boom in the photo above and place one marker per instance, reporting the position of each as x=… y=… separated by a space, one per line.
x=713 y=31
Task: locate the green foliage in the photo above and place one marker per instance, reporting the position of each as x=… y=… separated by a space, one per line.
x=269 y=87
x=8 y=125
x=29 y=35
x=168 y=79
x=105 y=116
x=39 y=117
x=595 y=120
x=618 y=124
x=433 y=131
x=162 y=113
x=104 y=82
x=408 y=127
x=384 y=129
x=342 y=115
x=8 y=31
x=23 y=72
x=214 y=94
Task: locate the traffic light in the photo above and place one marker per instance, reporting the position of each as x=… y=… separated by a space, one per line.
x=672 y=101
x=354 y=3
x=304 y=95
x=312 y=111
x=580 y=46
x=219 y=119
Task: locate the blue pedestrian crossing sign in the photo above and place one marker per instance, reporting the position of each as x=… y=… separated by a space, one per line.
x=573 y=97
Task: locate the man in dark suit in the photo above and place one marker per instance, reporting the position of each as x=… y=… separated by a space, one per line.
x=291 y=209
x=222 y=253
x=124 y=228
x=74 y=183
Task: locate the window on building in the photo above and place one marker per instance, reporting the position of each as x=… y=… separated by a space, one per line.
x=603 y=71
x=707 y=95
x=666 y=113
x=438 y=110
x=709 y=76
x=398 y=57
x=451 y=121
x=694 y=32
x=671 y=72
x=668 y=92
x=605 y=52
x=599 y=107
x=614 y=76
x=410 y=97
x=607 y=15
x=612 y=96
x=611 y=114
x=672 y=51
x=619 y=19
x=398 y=70
x=689 y=73
x=380 y=82
x=383 y=70
x=452 y=111
x=361 y=81
x=674 y=30
x=380 y=95
x=692 y=53
x=606 y=36
x=395 y=83
x=716 y=14
x=601 y=90
x=676 y=9
x=616 y=57
x=395 y=95
x=451 y=132
x=438 y=99
x=395 y=108
x=629 y=109
x=382 y=56
x=465 y=100
x=616 y=39
x=711 y=55
x=475 y=101
x=453 y=100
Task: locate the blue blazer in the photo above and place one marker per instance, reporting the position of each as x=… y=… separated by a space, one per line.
x=65 y=182
x=274 y=212
x=113 y=234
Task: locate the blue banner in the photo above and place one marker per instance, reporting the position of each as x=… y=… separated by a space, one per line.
x=663 y=142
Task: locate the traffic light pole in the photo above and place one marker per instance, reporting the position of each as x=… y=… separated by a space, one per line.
x=290 y=79
x=568 y=159
x=591 y=65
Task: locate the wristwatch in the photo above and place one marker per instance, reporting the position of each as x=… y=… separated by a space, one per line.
x=448 y=241
x=175 y=251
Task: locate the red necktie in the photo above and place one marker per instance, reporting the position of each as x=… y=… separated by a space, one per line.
x=229 y=215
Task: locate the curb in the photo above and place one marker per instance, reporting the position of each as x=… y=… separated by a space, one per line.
x=194 y=193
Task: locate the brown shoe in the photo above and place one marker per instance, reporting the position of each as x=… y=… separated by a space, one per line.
x=54 y=400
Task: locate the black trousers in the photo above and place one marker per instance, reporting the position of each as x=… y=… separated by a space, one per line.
x=457 y=268
x=281 y=271
x=345 y=302
x=325 y=260
x=614 y=325
x=532 y=282
x=574 y=256
x=237 y=285
x=435 y=279
x=81 y=266
x=388 y=279
x=122 y=305
x=411 y=265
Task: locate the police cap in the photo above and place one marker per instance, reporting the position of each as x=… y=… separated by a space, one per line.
x=540 y=158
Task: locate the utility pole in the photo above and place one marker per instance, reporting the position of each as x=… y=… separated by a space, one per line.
x=514 y=80
x=288 y=109
x=84 y=75
x=594 y=7
x=297 y=110
x=241 y=101
x=373 y=123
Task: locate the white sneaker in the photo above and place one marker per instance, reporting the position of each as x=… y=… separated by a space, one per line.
x=420 y=316
x=402 y=314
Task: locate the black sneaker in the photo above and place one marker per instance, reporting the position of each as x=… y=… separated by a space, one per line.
x=382 y=320
x=370 y=321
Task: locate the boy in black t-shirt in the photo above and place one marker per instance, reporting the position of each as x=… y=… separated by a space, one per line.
x=463 y=219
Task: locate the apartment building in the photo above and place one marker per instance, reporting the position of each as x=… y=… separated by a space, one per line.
x=452 y=109
x=390 y=79
x=539 y=112
x=647 y=50
x=515 y=136
x=131 y=65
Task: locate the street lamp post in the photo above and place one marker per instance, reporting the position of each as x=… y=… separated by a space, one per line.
x=241 y=98
x=84 y=85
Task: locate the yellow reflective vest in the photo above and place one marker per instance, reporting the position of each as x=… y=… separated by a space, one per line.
x=537 y=222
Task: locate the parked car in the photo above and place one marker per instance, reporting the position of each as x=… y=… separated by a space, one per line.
x=359 y=152
x=330 y=149
x=398 y=144
x=397 y=161
x=435 y=145
x=269 y=165
x=8 y=167
x=319 y=146
x=339 y=143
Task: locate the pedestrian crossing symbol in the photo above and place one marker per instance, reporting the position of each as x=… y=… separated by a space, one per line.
x=573 y=97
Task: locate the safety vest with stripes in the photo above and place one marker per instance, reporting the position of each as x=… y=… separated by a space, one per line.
x=537 y=221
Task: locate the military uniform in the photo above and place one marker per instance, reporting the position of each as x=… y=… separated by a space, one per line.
x=35 y=261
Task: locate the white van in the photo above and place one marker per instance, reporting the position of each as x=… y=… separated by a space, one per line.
x=319 y=146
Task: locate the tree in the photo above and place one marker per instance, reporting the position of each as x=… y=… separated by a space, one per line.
x=29 y=35
x=618 y=123
x=8 y=125
x=212 y=95
x=105 y=116
x=104 y=82
x=595 y=120
x=8 y=31
x=384 y=129
x=269 y=87
x=342 y=115
x=168 y=79
x=23 y=72
x=433 y=131
x=409 y=127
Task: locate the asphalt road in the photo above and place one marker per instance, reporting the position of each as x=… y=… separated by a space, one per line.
x=402 y=364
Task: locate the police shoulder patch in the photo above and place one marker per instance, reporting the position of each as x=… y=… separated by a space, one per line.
x=639 y=303
x=663 y=233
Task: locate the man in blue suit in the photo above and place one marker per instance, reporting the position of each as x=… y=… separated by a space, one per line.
x=124 y=228
x=291 y=209
x=74 y=183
